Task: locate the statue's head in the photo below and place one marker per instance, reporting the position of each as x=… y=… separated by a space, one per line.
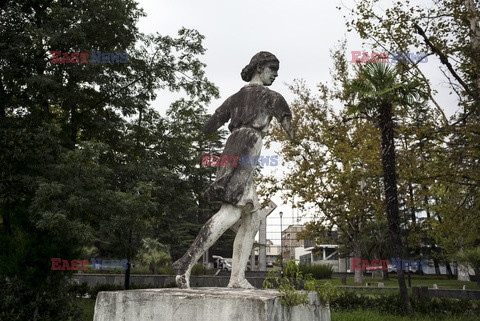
x=263 y=68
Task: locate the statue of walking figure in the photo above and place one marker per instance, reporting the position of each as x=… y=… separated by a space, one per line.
x=250 y=111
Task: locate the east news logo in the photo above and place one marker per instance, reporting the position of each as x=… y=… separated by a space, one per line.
x=59 y=57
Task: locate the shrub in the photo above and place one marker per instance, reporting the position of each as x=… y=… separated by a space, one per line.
x=20 y=301
x=446 y=306
x=140 y=269
x=348 y=300
x=294 y=279
x=154 y=254
x=288 y=283
x=391 y=304
x=318 y=271
x=199 y=269
x=78 y=289
x=165 y=270
x=327 y=292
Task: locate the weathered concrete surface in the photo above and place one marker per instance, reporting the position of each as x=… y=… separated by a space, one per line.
x=203 y=304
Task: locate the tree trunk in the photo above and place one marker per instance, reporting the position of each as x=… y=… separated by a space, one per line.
x=413 y=215
x=432 y=243
x=35 y=312
x=357 y=253
x=477 y=275
x=449 y=270
x=474 y=32
x=3 y=101
x=385 y=275
x=391 y=197
x=437 y=267
x=73 y=127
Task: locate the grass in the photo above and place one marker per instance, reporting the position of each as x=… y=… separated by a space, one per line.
x=87 y=306
x=443 y=283
x=363 y=315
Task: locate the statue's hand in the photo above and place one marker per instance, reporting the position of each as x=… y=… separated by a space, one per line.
x=287 y=126
x=292 y=136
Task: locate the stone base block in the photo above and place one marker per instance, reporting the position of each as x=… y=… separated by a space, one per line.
x=203 y=304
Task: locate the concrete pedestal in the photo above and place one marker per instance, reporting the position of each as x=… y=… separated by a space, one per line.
x=203 y=304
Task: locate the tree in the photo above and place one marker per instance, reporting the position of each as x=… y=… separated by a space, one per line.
x=154 y=254
x=379 y=88
x=83 y=155
x=449 y=31
x=471 y=257
x=376 y=245
x=333 y=169
x=447 y=28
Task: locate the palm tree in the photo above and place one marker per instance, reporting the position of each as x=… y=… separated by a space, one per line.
x=154 y=254
x=378 y=88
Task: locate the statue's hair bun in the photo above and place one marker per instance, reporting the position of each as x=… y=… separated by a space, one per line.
x=247 y=72
x=258 y=59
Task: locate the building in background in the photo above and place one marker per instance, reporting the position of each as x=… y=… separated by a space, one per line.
x=272 y=251
x=290 y=241
x=308 y=252
x=320 y=254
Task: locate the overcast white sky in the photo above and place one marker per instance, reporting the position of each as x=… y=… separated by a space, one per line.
x=300 y=33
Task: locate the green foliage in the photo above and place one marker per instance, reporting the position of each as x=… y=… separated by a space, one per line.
x=294 y=280
x=327 y=292
x=443 y=177
x=292 y=297
x=368 y=315
x=154 y=254
x=349 y=300
x=471 y=257
x=391 y=304
x=88 y=308
x=56 y=302
x=447 y=306
x=376 y=83
x=450 y=28
x=78 y=289
x=199 y=269
x=317 y=271
x=165 y=270
x=288 y=283
x=86 y=162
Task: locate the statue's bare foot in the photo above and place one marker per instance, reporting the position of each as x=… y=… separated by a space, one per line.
x=241 y=284
x=182 y=278
x=182 y=282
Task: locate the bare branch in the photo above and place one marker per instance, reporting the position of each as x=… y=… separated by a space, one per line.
x=444 y=60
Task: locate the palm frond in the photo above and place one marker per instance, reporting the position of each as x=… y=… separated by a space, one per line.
x=379 y=82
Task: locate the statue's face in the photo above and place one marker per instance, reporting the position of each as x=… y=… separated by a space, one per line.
x=269 y=73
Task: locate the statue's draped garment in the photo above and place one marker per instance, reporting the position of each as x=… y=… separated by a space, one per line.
x=250 y=111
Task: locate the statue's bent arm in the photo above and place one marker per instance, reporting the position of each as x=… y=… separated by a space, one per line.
x=220 y=117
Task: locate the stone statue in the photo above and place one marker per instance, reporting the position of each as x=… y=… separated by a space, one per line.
x=250 y=111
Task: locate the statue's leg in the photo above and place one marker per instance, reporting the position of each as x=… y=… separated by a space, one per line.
x=242 y=247
x=227 y=216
